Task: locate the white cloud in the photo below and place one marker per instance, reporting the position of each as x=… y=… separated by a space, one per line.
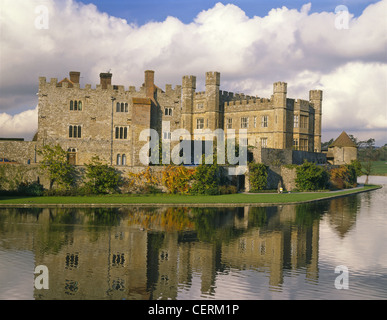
x=303 y=49
x=21 y=125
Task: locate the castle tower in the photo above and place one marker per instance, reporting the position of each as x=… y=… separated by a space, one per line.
x=315 y=97
x=187 y=97
x=212 y=94
x=282 y=138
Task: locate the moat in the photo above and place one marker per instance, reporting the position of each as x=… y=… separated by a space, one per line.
x=148 y=253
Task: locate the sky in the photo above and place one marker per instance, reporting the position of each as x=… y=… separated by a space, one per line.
x=339 y=47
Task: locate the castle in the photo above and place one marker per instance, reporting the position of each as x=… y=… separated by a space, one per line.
x=107 y=121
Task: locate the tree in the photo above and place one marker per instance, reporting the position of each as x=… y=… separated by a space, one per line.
x=101 y=178
x=54 y=162
x=328 y=143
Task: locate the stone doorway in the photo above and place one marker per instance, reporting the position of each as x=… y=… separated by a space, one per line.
x=72 y=156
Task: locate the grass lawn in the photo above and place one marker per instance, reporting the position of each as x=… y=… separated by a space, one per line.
x=379 y=168
x=240 y=198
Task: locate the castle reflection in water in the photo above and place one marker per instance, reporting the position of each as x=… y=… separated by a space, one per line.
x=153 y=253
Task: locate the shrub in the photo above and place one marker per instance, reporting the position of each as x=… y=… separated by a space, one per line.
x=343 y=177
x=207 y=178
x=143 y=182
x=101 y=178
x=30 y=189
x=228 y=189
x=177 y=179
x=311 y=177
x=257 y=176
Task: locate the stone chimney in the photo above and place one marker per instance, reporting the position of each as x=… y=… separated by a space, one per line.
x=150 y=83
x=74 y=76
x=105 y=79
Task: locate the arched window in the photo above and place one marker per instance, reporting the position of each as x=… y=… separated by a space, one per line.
x=166 y=111
x=70 y=131
x=71 y=105
x=170 y=112
x=118 y=108
x=79 y=132
x=75 y=105
x=121 y=132
x=122 y=107
x=80 y=105
x=126 y=107
x=124 y=160
x=118 y=159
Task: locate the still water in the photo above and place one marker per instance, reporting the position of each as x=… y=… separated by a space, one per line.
x=276 y=252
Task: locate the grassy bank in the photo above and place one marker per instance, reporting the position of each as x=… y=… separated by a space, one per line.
x=378 y=168
x=165 y=199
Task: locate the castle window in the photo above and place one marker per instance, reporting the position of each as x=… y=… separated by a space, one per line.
x=118 y=159
x=75 y=131
x=199 y=106
x=167 y=135
x=304 y=122
x=229 y=123
x=295 y=121
x=121 y=132
x=264 y=142
x=244 y=122
x=304 y=144
x=255 y=122
x=168 y=111
x=122 y=107
x=124 y=160
x=199 y=123
x=264 y=121
x=295 y=144
x=75 y=105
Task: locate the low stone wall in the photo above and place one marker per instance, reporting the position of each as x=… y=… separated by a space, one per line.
x=23 y=152
x=11 y=175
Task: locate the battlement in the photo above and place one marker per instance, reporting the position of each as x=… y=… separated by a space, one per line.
x=189 y=82
x=253 y=102
x=105 y=84
x=280 y=87
x=302 y=104
x=212 y=78
x=315 y=95
x=173 y=92
x=200 y=95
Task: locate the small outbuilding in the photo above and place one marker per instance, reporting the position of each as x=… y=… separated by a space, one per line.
x=342 y=151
